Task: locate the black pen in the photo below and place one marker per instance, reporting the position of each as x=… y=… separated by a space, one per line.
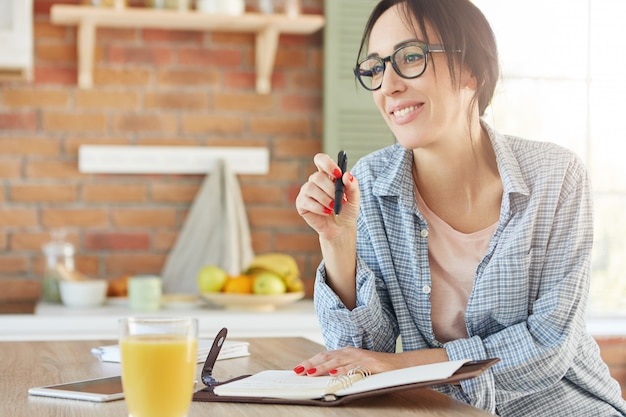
x=342 y=161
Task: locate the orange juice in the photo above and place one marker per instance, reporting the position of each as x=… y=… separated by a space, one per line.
x=158 y=373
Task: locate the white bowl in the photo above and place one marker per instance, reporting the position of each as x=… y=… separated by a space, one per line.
x=89 y=293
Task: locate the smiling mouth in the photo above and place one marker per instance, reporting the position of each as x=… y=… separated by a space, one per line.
x=404 y=111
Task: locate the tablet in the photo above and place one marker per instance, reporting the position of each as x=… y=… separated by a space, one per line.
x=98 y=390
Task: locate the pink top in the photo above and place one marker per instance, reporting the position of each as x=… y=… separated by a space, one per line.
x=453 y=258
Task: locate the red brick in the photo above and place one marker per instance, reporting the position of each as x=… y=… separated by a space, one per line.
x=280 y=125
x=274 y=217
x=297 y=242
x=18 y=217
x=48 y=193
x=296 y=148
x=18 y=121
x=55 y=53
x=55 y=75
x=173 y=192
x=144 y=218
x=100 y=99
x=135 y=264
x=232 y=38
x=122 y=77
x=145 y=123
x=306 y=82
x=21 y=241
x=3 y=241
x=261 y=241
x=290 y=58
x=176 y=100
x=10 y=168
x=243 y=102
x=103 y=193
x=164 y=240
x=198 y=123
x=35 y=98
x=74 y=122
x=300 y=104
x=172 y=36
x=210 y=57
x=52 y=169
x=75 y=217
x=48 y=30
x=13 y=264
x=72 y=144
x=200 y=77
x=105 y=34
x=139 y=55
x=263 y=194
x=18 y=145
x=117 y=241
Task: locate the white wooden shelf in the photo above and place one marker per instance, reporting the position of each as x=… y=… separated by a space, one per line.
x=266 y=27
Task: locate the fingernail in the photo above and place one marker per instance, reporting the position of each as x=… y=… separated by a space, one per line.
x=350 y=177
x=327 y=210
x=333 y=372
x=298 y=369
x=311 y=371
x=337 y=173
x=331 y=204
x=345 y=199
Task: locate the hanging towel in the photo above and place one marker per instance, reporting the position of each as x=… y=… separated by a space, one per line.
x=216 y=232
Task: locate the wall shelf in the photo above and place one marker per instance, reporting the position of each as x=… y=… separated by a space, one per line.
x=267 y=29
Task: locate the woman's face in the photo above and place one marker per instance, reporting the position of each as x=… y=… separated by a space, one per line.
x=423 y=112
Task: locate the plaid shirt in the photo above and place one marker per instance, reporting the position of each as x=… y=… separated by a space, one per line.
x=527 y=306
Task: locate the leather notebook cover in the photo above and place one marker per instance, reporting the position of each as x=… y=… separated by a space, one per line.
x=467 y=371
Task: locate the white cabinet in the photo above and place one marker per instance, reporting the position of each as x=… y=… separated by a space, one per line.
x=16 y=39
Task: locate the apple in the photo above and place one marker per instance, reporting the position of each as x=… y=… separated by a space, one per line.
x=211 y=278
x=268 y=283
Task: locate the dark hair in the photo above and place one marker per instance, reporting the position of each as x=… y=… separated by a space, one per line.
x=461 y=26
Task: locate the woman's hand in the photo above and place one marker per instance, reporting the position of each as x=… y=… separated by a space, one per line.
x=316 y=200
x=341 y=361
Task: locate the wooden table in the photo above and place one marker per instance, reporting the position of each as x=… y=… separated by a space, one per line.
x=28 y=364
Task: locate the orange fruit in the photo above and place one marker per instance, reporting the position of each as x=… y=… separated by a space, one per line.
x=241 y=284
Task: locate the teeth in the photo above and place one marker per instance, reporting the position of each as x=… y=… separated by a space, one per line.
x=404 y=111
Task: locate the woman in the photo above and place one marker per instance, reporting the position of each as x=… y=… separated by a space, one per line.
x=461 y=241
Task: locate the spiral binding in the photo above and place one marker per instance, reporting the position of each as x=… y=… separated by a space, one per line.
x=345 y=381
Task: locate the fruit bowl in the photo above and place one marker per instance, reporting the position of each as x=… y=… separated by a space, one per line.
x=253 y=302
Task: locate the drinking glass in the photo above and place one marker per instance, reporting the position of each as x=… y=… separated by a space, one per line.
x=158 y=358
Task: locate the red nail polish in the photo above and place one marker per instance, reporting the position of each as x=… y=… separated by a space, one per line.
x=337 y=173
x=333 y=372
x=327 y=210
x=298 y=369
x=350 y=177
x=344 y=199
x=331 y=204
x=311 y=371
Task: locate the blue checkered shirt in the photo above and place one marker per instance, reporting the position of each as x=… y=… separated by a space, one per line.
x=527 y=305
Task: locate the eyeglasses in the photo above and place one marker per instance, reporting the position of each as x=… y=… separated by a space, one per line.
x=408 y=61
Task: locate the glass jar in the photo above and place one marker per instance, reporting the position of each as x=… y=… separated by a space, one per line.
x=59 y=253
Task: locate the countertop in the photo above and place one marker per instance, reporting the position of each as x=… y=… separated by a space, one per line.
x=56 y=322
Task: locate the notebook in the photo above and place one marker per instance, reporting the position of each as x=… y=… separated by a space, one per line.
x=285 y=387
x=230 y=349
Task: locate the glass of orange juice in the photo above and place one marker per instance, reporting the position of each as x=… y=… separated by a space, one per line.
x=158 y=358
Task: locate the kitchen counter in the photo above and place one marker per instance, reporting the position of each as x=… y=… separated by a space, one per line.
x=56 y=322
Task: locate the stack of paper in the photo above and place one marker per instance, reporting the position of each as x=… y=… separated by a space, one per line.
x=230 y=349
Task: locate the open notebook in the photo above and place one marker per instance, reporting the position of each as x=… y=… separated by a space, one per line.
x=285 y=387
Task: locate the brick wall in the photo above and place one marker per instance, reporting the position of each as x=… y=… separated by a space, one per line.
x=152 y=87
x=613 y=351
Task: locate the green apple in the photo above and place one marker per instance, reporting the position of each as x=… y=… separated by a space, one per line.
x=268 y=283
x=211 y=278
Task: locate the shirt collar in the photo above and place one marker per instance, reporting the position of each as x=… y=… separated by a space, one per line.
x=396 y=179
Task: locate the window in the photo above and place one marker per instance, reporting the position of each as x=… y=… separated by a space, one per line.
x=563 y=81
